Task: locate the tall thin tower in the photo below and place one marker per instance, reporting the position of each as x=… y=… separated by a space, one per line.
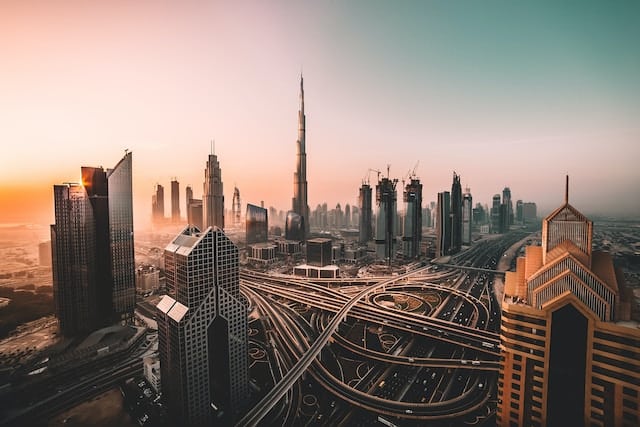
x=235 y=207
x=212 y=195
x=300 y=205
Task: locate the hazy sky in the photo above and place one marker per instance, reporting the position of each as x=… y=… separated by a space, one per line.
x=505 y=93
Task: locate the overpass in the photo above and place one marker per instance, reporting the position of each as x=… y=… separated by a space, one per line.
x=469 y=268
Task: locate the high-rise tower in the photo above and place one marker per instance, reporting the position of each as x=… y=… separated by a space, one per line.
x=175 y=200
x=386 y=199
x=456 y=214
x=364 y=199
x=443 y=224
x=412 y=230
x=157 y=205
x=202 y=330
x=92 y=249
x=212 y=195
x=188 y=195
x=300 y=205
x=235 y=207
x=568 y=355
x=467 y=216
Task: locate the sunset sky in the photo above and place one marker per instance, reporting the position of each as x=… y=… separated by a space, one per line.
x=505 y=93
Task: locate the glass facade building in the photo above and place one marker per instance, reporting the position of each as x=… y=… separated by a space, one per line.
x=257 y=224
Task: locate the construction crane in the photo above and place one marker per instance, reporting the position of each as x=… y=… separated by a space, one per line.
x=369 y=175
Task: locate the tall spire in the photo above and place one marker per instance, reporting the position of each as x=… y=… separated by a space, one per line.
x=566 y=191
x=301 y=94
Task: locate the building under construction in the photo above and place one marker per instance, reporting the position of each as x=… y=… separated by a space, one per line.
x=386 y=199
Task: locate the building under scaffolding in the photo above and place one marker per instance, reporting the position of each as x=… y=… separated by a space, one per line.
x=386 y=199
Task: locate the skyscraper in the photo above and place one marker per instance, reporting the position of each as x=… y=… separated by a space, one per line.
x=506 y=199
x=412 y=230
x=519 y=217
x=235 y=207
x=456 y=214
x=157 y=205
x=467 y=216
x=386 y=198
x=92 y=249
x=188 y=193
x=496 y=220
x=175 y=201
x=566 y=357
x=299 y=203
x=366 y=228
x=212 y=195
x=257 y=224
x=202 y=330
x=443 y=224
x=194 y=213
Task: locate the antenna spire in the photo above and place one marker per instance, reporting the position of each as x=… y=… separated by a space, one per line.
x=213 y=146
x=566 y=190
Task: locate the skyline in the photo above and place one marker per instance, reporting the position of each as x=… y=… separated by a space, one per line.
x=543 y=90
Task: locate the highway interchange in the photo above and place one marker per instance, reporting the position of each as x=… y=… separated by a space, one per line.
x=412 y=348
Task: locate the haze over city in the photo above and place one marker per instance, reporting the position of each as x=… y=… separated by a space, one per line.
x=511 y=95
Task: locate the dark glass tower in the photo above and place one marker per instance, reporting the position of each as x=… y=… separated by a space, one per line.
x=175 y=201
x=386 y=199
x=202 y=330
x=456 y=215
x=443 y=224
x=157 y=205
x=92 y=249
x=257 y=224
x=366 y=228
x=412 y=230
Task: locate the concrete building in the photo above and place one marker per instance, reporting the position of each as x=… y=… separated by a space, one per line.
x=569 y=356
x=202 y=330
x=264 y=253
x=147 y=278
x=92 y=249
x=529 y=212
x=412 y=230
x=151 y=367
x=299 y=201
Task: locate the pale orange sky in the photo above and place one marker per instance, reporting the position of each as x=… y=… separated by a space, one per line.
x=504 y=94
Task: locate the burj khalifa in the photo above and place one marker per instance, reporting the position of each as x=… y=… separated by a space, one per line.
x=299 y=205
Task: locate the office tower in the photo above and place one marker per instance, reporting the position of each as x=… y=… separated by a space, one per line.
x=519 y=217
x=347 y=216
x=506 y=199
x=175 y=201
x=412 y=230
x=294 y=227
x=443 y=224
x=568 y=358
x=319 y=252
x=467 y=216
x=123 y=266
x=202 y=330
x=188 y=192
x=235 y=207
x=495 y=215
x=212 y=195
x=456 y=215
x=194 y=213
x=479 y=215
x=366 y=227
x=299 y=203
x=386 y=198
x=157 y=205
x=92 y=249
x=529 y=212
x=257 y=224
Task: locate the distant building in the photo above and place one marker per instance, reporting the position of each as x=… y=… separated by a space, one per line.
x=175 y=201
x=568 y=355
x=366 y=224
x=257 y=224
x=235 y=207
x=151 y=366
x=412 y=230
x=44 y=254
x=188 y=192
x=294 y=227
x=157 y=205
x=92 y=249
x=313 y=271
x=147 y=278
x=319 y=252
x=194 y=213
x=506 y=199
x=519 y=217
x=456 y=215
x=443 y=224
x=386 y=198
x=213 y=195
x=529 y=212
x=264 y=253
x=202 y=330
x=467 y=217
x=496 y=220
x=479 y=215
